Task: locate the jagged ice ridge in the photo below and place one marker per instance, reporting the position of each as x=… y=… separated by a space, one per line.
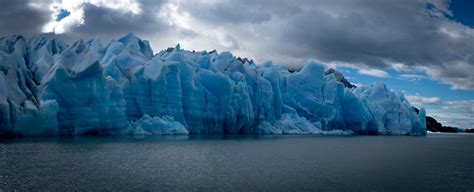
x=48 y=87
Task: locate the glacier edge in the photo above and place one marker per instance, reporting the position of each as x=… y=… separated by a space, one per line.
x=48 y=87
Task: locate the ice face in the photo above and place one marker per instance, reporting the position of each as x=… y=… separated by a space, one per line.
x=50 y=88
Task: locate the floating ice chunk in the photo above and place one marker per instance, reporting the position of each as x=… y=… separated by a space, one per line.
x=156 y=126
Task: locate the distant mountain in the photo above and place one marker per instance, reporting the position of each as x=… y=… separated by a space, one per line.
x=340 y=78
x=469 y=130
x=434 y=126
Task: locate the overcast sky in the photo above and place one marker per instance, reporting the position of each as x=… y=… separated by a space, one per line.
x=400 y=42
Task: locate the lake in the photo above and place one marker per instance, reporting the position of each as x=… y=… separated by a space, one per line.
x=437 y=162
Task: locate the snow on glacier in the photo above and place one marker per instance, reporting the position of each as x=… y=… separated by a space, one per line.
x=49 y=87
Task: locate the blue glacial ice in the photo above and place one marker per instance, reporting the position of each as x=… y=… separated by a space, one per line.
x=49 y=87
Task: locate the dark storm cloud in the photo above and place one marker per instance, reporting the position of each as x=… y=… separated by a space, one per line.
x=369 y=32
x=238 y=12
x=17 y=17
x=361 y=33
x=108 y=22
x=364 y=33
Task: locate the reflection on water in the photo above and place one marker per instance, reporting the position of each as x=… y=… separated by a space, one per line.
x=439 y=162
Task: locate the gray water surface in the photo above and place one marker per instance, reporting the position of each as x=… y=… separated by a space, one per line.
x=437 y=162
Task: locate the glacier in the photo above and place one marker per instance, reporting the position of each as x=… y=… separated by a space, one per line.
x=49 y=87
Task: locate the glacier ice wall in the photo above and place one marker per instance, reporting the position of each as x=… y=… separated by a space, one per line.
x=48 y=87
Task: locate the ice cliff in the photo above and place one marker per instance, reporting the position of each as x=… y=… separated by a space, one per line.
x=48 y=87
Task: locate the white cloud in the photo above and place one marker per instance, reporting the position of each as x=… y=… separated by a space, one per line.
x=374 y=73
x=452 y=117
x=458 y=74
x=76 y=10
x=420 y=101
x=412 y=77
x=457 y=113
x=465 y=106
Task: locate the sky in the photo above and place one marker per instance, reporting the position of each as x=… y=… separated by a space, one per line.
x=423 y=48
